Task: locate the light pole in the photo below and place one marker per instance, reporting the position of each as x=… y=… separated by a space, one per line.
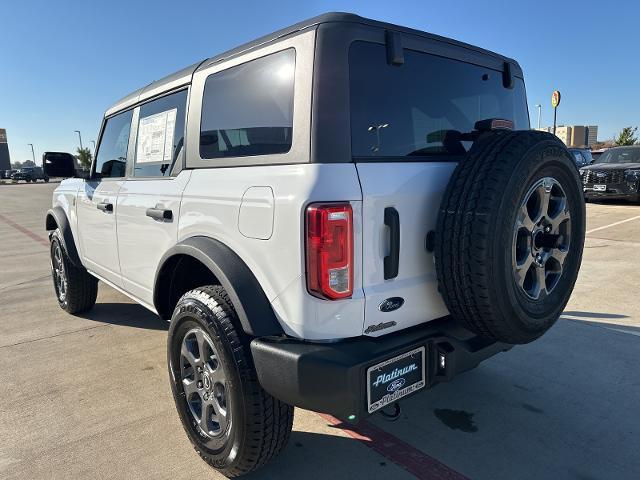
x=539 y=110
x=80 y=137
x=33 y=154
x=94 y=146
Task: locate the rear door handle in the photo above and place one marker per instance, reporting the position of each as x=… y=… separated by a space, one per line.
x=391 y=261
x=161 y=214
x=106 y=207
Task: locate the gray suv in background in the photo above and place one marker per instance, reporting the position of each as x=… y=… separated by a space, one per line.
x=30 y=174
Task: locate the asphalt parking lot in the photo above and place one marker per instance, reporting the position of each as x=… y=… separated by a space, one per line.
x=88 y=397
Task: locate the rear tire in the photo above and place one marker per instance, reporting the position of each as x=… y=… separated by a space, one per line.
x=233 y=424
x=510 y=236
x=76 y=289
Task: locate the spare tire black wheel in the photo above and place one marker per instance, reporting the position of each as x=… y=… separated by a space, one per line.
x=510 y=235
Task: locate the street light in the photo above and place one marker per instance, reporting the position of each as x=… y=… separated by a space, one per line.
x=80 y=137
x=94 y=146
x=539 y=110
x=33 y=154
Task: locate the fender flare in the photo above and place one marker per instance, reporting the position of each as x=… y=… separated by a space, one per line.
x=57 y=218
x=252 y=305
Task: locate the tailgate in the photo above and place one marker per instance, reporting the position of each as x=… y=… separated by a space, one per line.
x=414 y=191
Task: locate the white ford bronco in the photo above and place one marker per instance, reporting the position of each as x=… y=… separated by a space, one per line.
x=334 y=216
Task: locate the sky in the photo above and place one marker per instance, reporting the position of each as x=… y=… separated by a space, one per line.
x=64 y=62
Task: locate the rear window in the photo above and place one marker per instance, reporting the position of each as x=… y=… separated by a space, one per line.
x=407 y=110
x=248 y=109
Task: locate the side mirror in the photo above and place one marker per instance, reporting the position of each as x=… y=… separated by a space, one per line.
x=59 y=164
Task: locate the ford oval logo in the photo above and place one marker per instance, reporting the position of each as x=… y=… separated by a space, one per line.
x=391 y=304
x=397 y=384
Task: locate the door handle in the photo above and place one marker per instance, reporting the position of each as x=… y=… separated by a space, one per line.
x=106 y=207
x=161 y=214
x=391 y=261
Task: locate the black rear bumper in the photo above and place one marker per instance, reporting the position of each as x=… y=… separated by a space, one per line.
x=331 y=377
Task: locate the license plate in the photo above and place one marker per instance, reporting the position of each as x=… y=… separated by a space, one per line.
x=599 y=188
x=395 y=378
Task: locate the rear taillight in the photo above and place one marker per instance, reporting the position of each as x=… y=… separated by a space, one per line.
x=330 y=250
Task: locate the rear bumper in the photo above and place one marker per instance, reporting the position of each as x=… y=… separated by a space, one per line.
x=331 y=377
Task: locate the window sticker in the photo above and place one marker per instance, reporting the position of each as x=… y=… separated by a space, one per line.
x=155 y=137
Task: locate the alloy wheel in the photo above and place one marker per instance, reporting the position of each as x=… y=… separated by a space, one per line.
x=541 y=238
x=204 y=383
x=59 y=274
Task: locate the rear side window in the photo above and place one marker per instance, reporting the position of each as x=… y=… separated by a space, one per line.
x=160 y=140
x=248 y=109
x=111 y=160
x=407 y=110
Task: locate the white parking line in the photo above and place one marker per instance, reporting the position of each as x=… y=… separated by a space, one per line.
x=612 y=224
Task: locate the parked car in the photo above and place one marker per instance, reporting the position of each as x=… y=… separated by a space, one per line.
x=30 y=174
x=582 y=156
x=316 y=239
x=614 y=175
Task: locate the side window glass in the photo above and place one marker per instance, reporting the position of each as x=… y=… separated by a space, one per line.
x=248 y=109
x=160 y=140
x=111 y=160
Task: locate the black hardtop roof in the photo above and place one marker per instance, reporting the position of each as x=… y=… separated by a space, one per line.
x=183 y=76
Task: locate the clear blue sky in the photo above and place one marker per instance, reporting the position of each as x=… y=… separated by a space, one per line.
x=63 y=62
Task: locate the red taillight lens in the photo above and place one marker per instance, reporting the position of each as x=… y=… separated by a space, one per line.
x=330 y=250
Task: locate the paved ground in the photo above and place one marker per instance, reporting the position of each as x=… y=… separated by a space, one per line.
x=88 y=397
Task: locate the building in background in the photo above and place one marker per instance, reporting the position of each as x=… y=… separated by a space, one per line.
x=5 y=160
x=575 y=135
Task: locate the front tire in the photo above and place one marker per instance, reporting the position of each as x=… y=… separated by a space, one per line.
x=76 y=289
x=233 y=424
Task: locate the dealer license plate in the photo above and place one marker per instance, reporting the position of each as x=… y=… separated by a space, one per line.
x=395 y=378
x=599 y=188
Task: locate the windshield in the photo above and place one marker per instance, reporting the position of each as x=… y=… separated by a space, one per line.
x=620 y=155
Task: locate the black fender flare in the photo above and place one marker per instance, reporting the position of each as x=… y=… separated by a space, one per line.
x=251 y=303
x=57 y=218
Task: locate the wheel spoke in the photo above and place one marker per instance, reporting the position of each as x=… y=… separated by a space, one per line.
x=522 y=269
x=221 y=414
x=541 y=283
x=190 y=387
x=203 y=347
x=544 y=194
x=560 y=218
x=189 y=357
x=205 y=415
x=559 y=255
x=524 y=220
x=217 y=375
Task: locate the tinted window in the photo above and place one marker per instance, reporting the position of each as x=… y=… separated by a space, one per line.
x=578 y=157
x=112 y=152
x=620 y=155
x=248 y=109
x=160 y=138
x=418 y=108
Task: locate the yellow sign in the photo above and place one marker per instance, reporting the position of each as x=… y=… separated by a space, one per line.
x=555 y=99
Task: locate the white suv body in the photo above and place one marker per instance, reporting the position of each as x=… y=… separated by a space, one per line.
x=256 y=206
x=295 y=184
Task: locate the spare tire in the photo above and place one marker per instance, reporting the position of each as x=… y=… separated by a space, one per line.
x=510 y=235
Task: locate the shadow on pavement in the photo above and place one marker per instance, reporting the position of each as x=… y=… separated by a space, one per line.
x=559 y=407
x=318 y=456
x=126 y=314
x=582 y=315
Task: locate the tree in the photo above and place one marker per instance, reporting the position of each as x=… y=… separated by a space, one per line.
x=626 y=136
x=16 y=165
x=28 y=163
x=84 y=157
